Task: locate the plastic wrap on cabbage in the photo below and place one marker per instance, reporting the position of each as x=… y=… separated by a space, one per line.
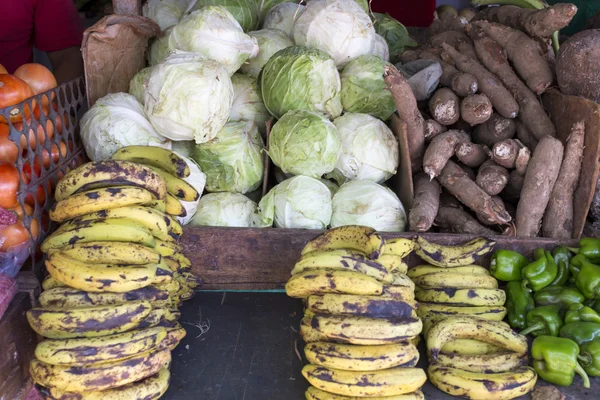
x=282 y=17
x=369 y=149
x=270 y=41
x=247 y=102
x=116 y=121
x=137 y=85
x=364 y=90
x=197 y=179
x=188 y=97
x=212 y=32
x=226 y=209
x=233 y=160
x=370 y=204
x=304 y=143
x=395 y=34
x=380 y=48
x=341 y=28
x=301 y=78
x=165 y=12
x=244 y=11
x=299 y=202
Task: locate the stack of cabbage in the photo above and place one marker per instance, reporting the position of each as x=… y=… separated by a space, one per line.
x=214 y=81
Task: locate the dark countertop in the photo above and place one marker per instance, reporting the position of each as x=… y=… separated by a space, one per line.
x=251 y=351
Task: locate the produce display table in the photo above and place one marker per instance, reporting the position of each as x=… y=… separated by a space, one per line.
x=252 y=349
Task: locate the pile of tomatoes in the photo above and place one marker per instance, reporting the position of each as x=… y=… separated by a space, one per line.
x=27 y=81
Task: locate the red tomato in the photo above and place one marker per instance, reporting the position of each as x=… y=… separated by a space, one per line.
x=13 y=91
x=28 y=177
x=31 y=138
x=8 y=149
x=9 y=185
x=55 y=154
x=17 y=234
x=38 y=77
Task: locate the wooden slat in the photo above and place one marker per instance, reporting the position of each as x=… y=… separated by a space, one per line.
x=260 y=259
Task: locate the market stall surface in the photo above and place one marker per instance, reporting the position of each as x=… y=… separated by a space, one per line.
x=246 y=346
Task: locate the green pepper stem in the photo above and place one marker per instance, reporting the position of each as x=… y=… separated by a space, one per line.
x=585 y=358
x=586 y=379
x=533 y=328
x=524 y=283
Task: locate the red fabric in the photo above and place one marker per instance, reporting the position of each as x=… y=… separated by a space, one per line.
x=49 y=25
x=409 y=12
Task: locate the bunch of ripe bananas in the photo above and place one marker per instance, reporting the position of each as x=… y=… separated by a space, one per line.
x=359 y=323
x=471 y=352
x=117 y=276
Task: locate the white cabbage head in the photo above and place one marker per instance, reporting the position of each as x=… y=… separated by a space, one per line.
x=226 y=209
x=188 y=97
x=282 y=17
x=165 y=13
x=137 y=85
x=247 y=102
x=380 y=48
x=246 y=12
x=115 y=121
x=270 y=41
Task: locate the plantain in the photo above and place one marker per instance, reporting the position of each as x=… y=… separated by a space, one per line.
x=437 y=312
x=366 y=306
x=174 y=206
x=456 y=281
x=177 y=187
x=66 y=297
x=485 y=363
x=332 y=281
x=420 y=270
x=467 y=297
x=112 y=253
x=312 y=393
x=453 y=256
x=392 y=263
x=400 y=247
x=167 y=248
x=353 y=237
x=155 y=156
x=469 y=347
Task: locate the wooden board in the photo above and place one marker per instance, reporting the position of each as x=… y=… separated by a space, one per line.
x=565 y=111
x=259 y=259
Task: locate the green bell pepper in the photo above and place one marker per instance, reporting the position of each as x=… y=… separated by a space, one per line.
x=539 y=273
x=587 y=279
x=555 y=360
x=518 y=303
x=562 y=255
x=561 y=295
x=544 y=320
x=579 y=312
x=589 y=248
x=506 y=265
x=589 y=357
x=580 y=332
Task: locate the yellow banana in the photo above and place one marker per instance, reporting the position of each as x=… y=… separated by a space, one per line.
x=361 y=358
x=188 y=279
x=177 y=187
x=97 y=377
x=308 y=333
x=469 y=347
x=101 y=231
x=453 y=256
x=186 y=293
x=461 y=327
x=89 y=321
x=160 y=317
x=342 y=259
x=483 y=386
x=175 y=228
x=184 y=262
x=437 y=312
x=51 y=283
x=312 y=393
x=110 y=173
x=353 y=237
x=402 y=280
x=420 y=270
x=329 y=281
x=158 y=205
x=174 y=206
x=392 y=263
x=167 y=248
x=98 y=200
x=471 y=297
x=174 y=336
x=112 y=253
x=66 y=297
x=366 y=331
x=400 y=247
x=150 y=388
x=156 y=157
x=402 y=293
x=105 y=277
x=366 y=306
x=388 y=382
x=487 y=363
x=456 y=281
x=99 y=349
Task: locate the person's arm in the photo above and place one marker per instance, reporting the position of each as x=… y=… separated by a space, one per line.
x=67 y=64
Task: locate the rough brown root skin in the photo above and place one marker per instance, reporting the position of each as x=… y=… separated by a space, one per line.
x=498 y=201
x=470 y=154
x=489 y=84
x=409 y=55
x=447 y=23
x=462 y=125
x=578 y=65
x=467 y=49
x=432 y=129
x=492 y=178
x=523 y=158
x=409 y=112
x=540 y=178
x=456 y=181
x=464 y=84
x=425 y=204
x=459 y=221
x=468 y=170
x=453 y=38
x=523 y=52
x=505 y=153
x=558 y=218
x=524 y=135
x=448 y=71
x=537 y=23
x=440 y=150
x=476 y=109
x=494 y=130
x=513 y=188
x=492 y=57
x=444 y=106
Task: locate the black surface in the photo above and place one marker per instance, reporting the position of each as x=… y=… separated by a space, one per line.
x=249 y=352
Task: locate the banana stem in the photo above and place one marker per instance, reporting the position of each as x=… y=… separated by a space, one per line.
x=533 y=328
x=586 y=379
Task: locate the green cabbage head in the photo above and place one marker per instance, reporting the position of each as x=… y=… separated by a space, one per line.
x=395 y=34
x=301 y=78
x=270 y=41
x=137 y=85
x=226 y=209
x=165 y=13
x=304 y=143
x=244 y=11
x=247 y=102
